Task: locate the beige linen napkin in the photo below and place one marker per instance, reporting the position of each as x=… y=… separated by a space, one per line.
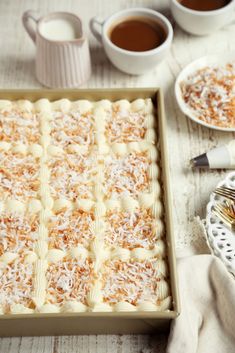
x=207 y=320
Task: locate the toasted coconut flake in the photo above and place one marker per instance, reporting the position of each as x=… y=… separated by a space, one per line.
x=69 y=229
x=126 y=176
x=72 y=176
x=130 y=230
x=18 y=233
x=16 y=285
x=22 y=126
x=69 y=280
x=125 y=126
x=210 y=93
x=19 y=175
x=72 y=127
x=133 y=281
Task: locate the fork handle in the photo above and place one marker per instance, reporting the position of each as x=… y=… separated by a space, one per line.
x=221 y=193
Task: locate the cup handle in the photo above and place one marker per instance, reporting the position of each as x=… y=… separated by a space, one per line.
x=94 y=22
x=27 y=19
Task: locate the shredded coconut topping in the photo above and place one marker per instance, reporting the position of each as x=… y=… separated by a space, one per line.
x=72 y=175
x=126 y=176
x=16 y=285
x=130 y=230
x=72 y=127
x=17 y=233
x=20 y=126
x=125 y=126
x=70 y=228
x=210 y=93
x=133 y=282
x=69 y=281
x=19 y=175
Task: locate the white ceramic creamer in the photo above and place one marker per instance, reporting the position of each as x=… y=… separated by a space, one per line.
x=62 y=51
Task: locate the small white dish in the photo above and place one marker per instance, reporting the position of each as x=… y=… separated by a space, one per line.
x=220 y=238
x=217 y=59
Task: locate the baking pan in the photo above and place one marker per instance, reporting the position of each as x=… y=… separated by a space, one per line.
x=109 y=322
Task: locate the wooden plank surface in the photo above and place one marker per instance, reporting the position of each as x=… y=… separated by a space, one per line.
x=185 y=138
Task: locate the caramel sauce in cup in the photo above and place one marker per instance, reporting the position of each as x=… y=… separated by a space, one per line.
x=137 y=34
x=205 y=5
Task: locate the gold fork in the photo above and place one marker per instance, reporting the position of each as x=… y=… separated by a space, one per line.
x=226 y=192
x=226 y=212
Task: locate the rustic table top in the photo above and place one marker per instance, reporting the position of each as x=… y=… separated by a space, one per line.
x=185 y=138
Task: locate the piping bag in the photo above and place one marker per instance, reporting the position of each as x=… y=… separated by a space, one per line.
x=222 y=157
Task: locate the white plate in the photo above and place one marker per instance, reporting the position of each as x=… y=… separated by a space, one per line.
x=190 y=69
x=220 y=238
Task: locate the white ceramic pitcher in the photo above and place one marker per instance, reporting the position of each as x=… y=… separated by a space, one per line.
x=62 y=51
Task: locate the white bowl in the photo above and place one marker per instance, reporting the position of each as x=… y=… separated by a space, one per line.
x=190 y=69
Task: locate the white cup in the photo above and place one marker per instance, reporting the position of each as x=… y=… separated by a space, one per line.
x=202 y=22
x=131 y=62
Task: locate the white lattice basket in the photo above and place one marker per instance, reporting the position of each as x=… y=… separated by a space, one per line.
x=221 y=239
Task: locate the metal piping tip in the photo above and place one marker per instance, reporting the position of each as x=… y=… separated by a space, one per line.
x=200 y=161
x=192 y=163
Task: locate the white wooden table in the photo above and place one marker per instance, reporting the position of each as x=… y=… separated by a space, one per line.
x=185 y=139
